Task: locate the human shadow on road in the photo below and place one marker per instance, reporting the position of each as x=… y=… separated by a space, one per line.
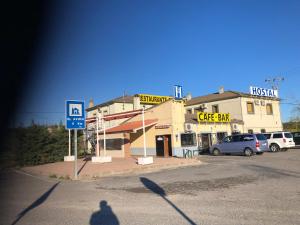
x=35 y=204
x=155 y=188
x=104 y=216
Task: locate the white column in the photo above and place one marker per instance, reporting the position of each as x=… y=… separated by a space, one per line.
x=97 y=136
x=104 y=136
x=143 y=116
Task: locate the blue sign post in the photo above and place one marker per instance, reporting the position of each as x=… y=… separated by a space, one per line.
x=75 y=115
x=75 y=120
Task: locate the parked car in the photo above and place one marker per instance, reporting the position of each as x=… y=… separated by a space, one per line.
x=280 y=141
x=247 y=144
x=296 y=137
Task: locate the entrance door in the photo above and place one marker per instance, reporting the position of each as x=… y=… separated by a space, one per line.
x=206 y=141
x=163 y=145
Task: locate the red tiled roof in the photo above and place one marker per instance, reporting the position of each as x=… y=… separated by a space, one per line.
x=131 y=126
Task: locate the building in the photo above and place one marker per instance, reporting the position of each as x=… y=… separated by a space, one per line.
x=174 y=126
x=248 y=114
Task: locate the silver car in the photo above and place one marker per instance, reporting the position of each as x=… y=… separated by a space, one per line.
x=247 y=144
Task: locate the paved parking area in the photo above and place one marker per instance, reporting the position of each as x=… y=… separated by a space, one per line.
x=263 y=189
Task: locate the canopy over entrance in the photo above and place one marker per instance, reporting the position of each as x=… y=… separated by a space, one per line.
x=131 y=127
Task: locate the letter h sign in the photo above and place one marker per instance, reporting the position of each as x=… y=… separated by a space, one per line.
x=178 y=91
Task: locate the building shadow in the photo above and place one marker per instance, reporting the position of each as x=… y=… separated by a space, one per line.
x=105 y=216
x=35 y=204
x=155 y=188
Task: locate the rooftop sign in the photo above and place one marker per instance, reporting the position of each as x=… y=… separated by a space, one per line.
x=213 y=117
x=264 y=92
x=153 y=99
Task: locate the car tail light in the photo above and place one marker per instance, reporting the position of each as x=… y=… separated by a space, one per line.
x=284 y=140
x=257 y=145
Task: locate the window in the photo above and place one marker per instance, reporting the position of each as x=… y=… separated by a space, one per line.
x=267 y=136
x=288 y=135
x=221 y=135
x=247 y=137
x=228 y=139
x=112 y=144
x=263 y=131
x=269 y=109
x=189 y=111
x=215 y=108
x=250 y=131
x=250 y=107
x=277 y=135
x=261 y=137
x=188 y=139
x=236 y=138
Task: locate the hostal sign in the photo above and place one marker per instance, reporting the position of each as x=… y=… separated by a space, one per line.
x=213 y=117
x=263 y=92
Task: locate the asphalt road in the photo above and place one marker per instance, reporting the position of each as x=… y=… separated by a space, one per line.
x=225 y=190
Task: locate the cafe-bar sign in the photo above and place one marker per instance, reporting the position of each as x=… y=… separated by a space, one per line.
x=263 y=92
x=213 y=117
x=153 y=99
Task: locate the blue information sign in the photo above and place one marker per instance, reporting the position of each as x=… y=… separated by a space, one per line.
x=75 y=115
x=178 y=92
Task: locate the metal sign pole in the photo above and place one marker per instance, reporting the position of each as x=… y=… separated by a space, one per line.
x=75 y=154
x=69 y=142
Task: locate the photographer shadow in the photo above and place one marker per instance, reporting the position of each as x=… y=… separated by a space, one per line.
x=104 y=216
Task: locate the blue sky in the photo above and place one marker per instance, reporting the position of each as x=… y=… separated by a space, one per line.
x=99 y=49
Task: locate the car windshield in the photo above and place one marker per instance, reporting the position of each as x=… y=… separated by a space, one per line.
x=261 y=137
x=288 y=135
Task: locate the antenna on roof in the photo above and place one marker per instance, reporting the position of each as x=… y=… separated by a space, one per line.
x=275 y=81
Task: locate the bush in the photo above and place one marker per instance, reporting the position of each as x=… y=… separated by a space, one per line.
x=36 y=144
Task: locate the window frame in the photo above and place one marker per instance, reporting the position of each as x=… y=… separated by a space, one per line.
x=269 y=113
x=216 y=106
x=252 y=103
x=194 y=140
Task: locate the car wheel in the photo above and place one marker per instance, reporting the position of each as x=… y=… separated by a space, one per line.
x=259 y=153
x=274 y=147
x=216 y=152
x=248 y=152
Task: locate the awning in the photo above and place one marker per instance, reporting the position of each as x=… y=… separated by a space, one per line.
x=131 y=126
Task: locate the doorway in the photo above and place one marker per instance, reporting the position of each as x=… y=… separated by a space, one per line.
x=163 y=145
x=206 y=140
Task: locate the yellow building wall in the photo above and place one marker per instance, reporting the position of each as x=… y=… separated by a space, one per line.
x=260 y=120
x=232 y=106
x=168 y=113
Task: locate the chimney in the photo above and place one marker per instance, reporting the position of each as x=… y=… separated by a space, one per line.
x=136 y=102
x=91 y=103
x=188 y=96
x=221 y=90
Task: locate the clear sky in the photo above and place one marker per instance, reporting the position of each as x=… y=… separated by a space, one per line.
x=99 y=49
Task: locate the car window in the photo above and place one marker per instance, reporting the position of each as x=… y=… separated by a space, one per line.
x=277 y=135
x=236 y=138
x=248 y=137
x=261 y=137
x=228 y=139
x=296 y=134
x=288 y=135
x=267 y=136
